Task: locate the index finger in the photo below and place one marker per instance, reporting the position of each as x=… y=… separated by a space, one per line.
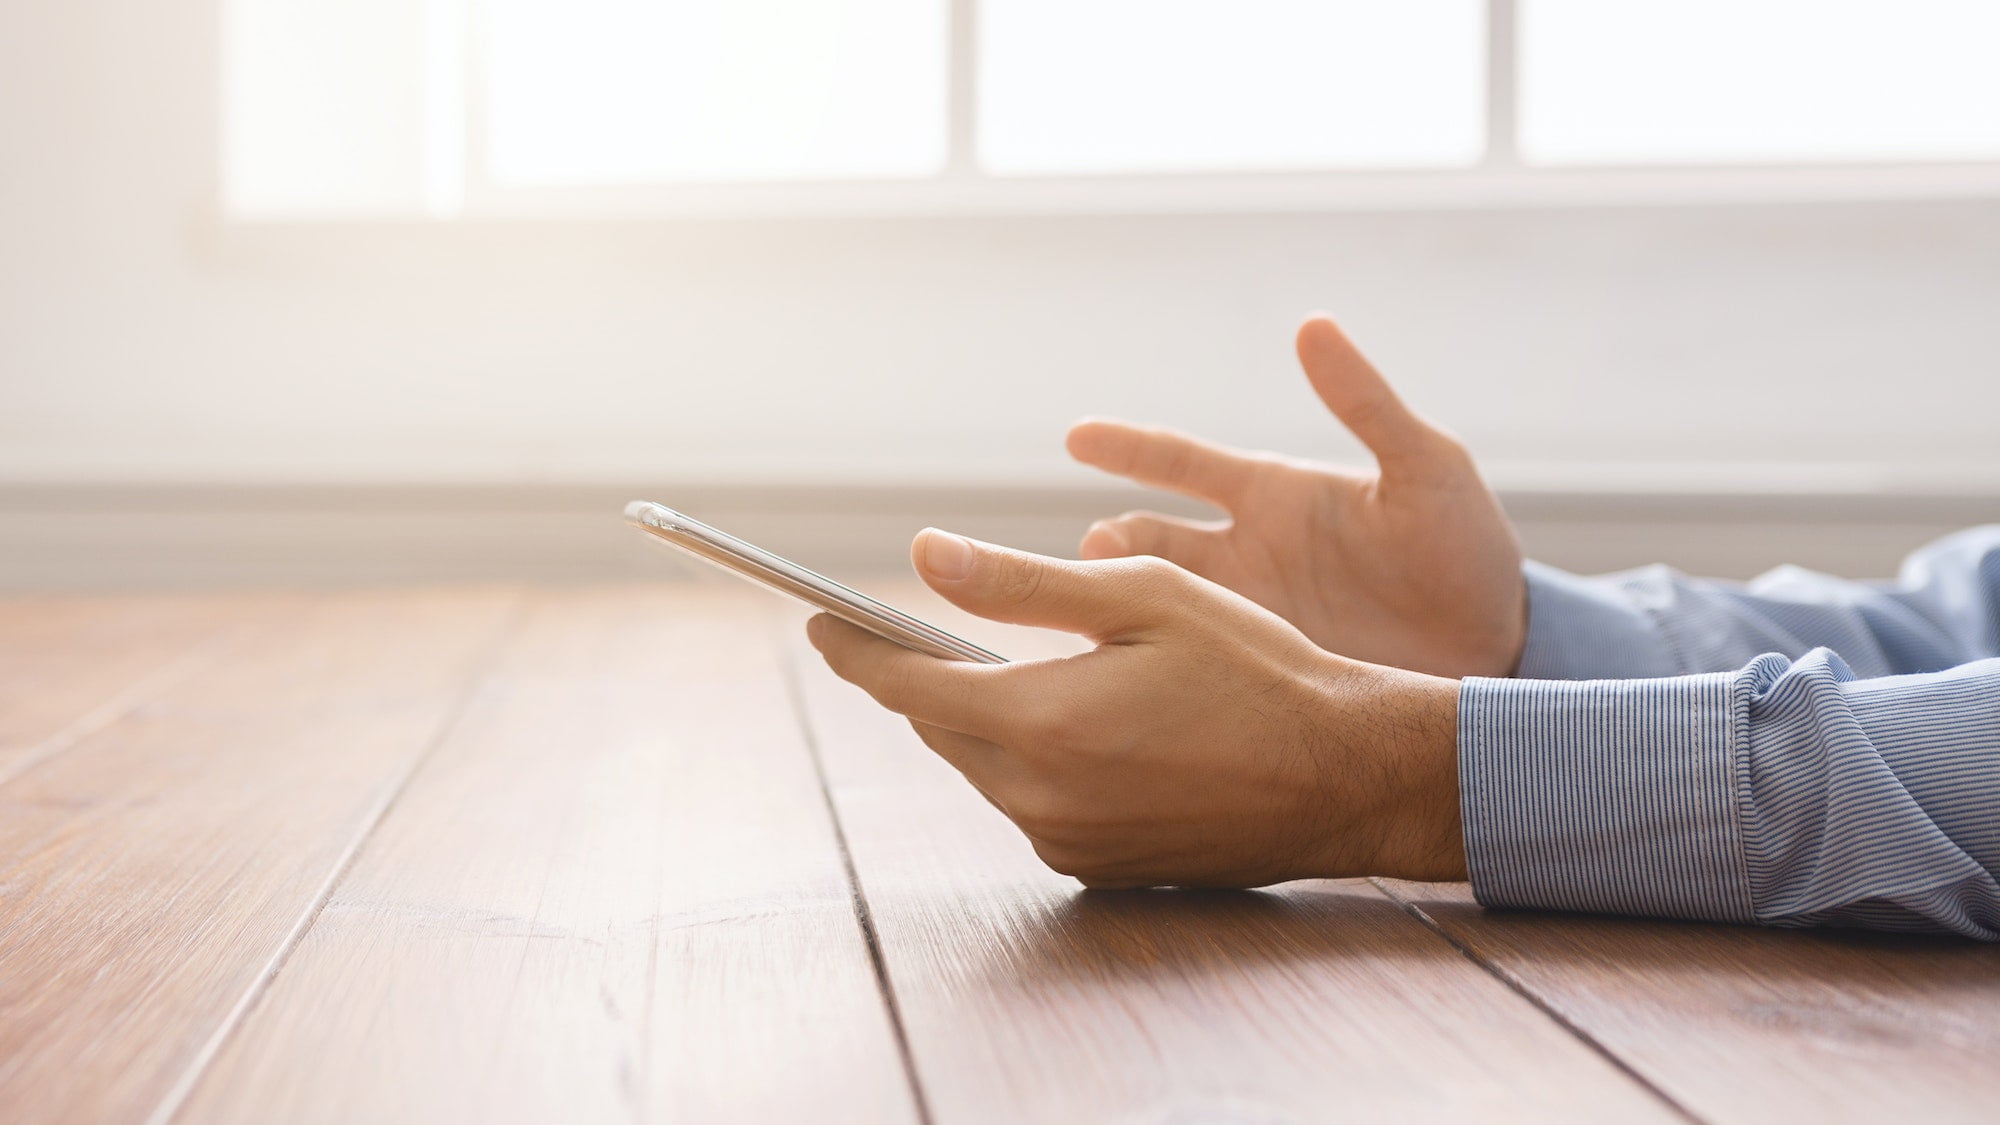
x=1163 y=458
x=954 y=694
x=1356 y=392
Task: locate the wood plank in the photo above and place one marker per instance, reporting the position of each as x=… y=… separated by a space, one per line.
x=1745 y=1024
x=613 y=894
x=1024 y=998
x=69 y=664
x=154 y=872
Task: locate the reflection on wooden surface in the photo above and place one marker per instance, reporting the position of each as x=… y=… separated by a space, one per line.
x=634 y=855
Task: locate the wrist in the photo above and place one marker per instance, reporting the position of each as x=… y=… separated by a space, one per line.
x=1421 y=835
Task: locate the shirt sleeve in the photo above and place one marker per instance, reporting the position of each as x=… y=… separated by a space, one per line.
x=1795 y=751
x=1787 y=793
x=1942 y=611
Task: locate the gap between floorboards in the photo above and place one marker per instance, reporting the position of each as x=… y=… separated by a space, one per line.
x=480 y=666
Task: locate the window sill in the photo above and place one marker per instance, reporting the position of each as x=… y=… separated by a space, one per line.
x=967 y=195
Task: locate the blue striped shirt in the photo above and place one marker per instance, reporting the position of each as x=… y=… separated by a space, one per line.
x=1797 y=751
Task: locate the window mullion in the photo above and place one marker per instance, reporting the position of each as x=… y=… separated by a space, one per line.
x=1503 y=152
x=962 y=121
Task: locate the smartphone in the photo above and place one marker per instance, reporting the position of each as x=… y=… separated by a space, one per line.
x=786 y=577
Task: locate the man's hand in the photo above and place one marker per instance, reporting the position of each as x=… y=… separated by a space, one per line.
x=1414 y=566
x=1203 y=742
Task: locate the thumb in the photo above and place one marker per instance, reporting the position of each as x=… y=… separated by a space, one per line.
x=1361 y=398
x=1096 y=599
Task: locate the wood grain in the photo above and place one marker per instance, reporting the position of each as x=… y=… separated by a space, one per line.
x=70 y=665
x=474 y=855
x=1744 y=1024
x=155 y=871
x=614 y=893
x=1026 y=999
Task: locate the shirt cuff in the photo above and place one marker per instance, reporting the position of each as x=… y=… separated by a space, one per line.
x=1618 y=796
x=1588 y=628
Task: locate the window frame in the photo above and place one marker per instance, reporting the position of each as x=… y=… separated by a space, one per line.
x=459 y=186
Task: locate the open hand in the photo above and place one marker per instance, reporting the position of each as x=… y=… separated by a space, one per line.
x=1414 y=565
x=1203 y=742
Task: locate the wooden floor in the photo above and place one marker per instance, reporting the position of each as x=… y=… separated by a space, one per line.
x=633 y=855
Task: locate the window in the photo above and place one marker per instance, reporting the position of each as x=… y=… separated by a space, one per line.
x=457 y=107
x=1759 y=81
x=611 y=91
x=1070 y=87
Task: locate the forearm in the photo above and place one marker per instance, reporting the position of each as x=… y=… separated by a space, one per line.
x=1783 y=793
x=1943 y=611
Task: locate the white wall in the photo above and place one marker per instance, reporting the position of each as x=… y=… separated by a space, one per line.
x=1849 y=346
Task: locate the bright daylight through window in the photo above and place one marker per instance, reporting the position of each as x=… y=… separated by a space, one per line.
x=1759 y=81
x=357 y=107
x=608 y=91
x=1071 y=88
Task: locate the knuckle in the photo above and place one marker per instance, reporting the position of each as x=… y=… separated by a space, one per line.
x=894 y=687
x=1372 y=409
x=1016 y=580
x=1158 y=578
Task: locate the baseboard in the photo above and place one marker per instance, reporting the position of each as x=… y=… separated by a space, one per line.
x=148 y=536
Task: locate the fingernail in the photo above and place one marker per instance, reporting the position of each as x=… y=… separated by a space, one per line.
x=946 y=555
